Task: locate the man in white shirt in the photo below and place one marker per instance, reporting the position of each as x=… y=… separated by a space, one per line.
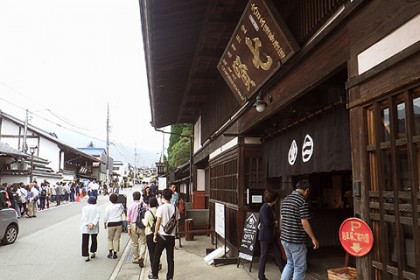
x=164 y=240
x=94 y=187
x=34 y=196
x=24 y=198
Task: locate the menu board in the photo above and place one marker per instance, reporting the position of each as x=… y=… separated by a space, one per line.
x=249 y=237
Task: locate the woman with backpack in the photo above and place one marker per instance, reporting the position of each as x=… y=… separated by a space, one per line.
x=149 y=222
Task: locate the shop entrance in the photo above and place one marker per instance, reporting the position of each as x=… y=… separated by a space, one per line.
x=331 y=202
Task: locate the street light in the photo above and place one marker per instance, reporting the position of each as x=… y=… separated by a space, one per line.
x=32 y=150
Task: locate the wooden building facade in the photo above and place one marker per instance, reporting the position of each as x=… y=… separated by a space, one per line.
x=341 y=107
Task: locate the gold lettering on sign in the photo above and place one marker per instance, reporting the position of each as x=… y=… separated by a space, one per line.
x=241 y=71
x=232 y=82
x=255 y=50
x=267 y=30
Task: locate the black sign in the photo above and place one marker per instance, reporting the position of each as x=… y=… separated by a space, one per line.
x=246 y=250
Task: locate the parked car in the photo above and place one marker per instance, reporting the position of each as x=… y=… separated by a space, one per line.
x=9 y=225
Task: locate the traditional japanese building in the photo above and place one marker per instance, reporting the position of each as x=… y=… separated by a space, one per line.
x=327 y=90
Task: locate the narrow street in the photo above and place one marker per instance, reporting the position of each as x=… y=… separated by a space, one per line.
x=49 y=246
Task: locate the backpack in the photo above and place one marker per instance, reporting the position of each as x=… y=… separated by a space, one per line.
x=43 y=192
x=171 y=224
x=181 y=206
x=154 y=222
x=140 y=216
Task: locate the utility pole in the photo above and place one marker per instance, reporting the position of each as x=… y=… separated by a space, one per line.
x=107 y=144
x=135 y=164
x=25 y=132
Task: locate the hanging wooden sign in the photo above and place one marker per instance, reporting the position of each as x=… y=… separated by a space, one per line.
x=260 y=44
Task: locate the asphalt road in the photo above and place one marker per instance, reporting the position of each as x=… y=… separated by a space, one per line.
x=49 y=247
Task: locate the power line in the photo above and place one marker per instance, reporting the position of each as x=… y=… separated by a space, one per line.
x=42 y=106
x=116 y=144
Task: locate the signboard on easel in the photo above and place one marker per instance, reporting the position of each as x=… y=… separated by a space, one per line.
x=220 y=219
x=220 y=228
x=249 y=237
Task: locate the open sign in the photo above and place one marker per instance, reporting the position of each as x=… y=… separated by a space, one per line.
x=356 y=237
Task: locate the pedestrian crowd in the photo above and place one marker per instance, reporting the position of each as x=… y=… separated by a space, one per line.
x=147 y=218
x=150 y=213
x=28 y=199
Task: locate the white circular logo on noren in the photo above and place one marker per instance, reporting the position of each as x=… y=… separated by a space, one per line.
x=307 y=148
x=293 y=152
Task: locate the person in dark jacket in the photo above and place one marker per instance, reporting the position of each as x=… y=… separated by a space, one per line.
x=266 y=235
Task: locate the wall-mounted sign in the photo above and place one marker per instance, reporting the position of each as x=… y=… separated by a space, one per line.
x=260 y=44
x=255 y=197
x=356 y=237
x=85 y=170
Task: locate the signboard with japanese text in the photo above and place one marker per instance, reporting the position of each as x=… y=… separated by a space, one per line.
x=249 y=237
x=220 y=219
x=260 y=44
x=356 y=237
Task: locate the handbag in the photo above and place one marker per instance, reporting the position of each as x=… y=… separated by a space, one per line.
x=171 y=224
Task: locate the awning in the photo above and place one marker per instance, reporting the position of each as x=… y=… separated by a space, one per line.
x=322 y=144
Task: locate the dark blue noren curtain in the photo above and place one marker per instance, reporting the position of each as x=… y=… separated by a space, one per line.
x=326 y=138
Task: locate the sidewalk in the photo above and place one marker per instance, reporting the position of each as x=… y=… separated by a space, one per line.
x=190 y=264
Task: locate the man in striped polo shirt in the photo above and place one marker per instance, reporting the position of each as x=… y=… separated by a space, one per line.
x=295 y=229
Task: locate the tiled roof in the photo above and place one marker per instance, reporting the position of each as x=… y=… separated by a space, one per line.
x=5 y=149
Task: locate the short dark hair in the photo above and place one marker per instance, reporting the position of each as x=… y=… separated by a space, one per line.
x=303 y=184
x=136 y=195
x=153 y=202
x=167 y=194
x=113 y=198
x=270 y=196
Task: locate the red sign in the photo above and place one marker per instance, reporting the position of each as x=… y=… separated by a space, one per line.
x=356 y=237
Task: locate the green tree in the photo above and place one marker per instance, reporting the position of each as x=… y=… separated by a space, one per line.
x=179 y=145
x=91 y=145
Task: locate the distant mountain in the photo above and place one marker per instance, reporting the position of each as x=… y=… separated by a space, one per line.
x=118 y=151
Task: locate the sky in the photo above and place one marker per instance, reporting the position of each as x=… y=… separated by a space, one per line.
x=65 y=61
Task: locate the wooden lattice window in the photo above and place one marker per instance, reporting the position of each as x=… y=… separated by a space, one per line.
x=224 y=181
x=393 y=152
